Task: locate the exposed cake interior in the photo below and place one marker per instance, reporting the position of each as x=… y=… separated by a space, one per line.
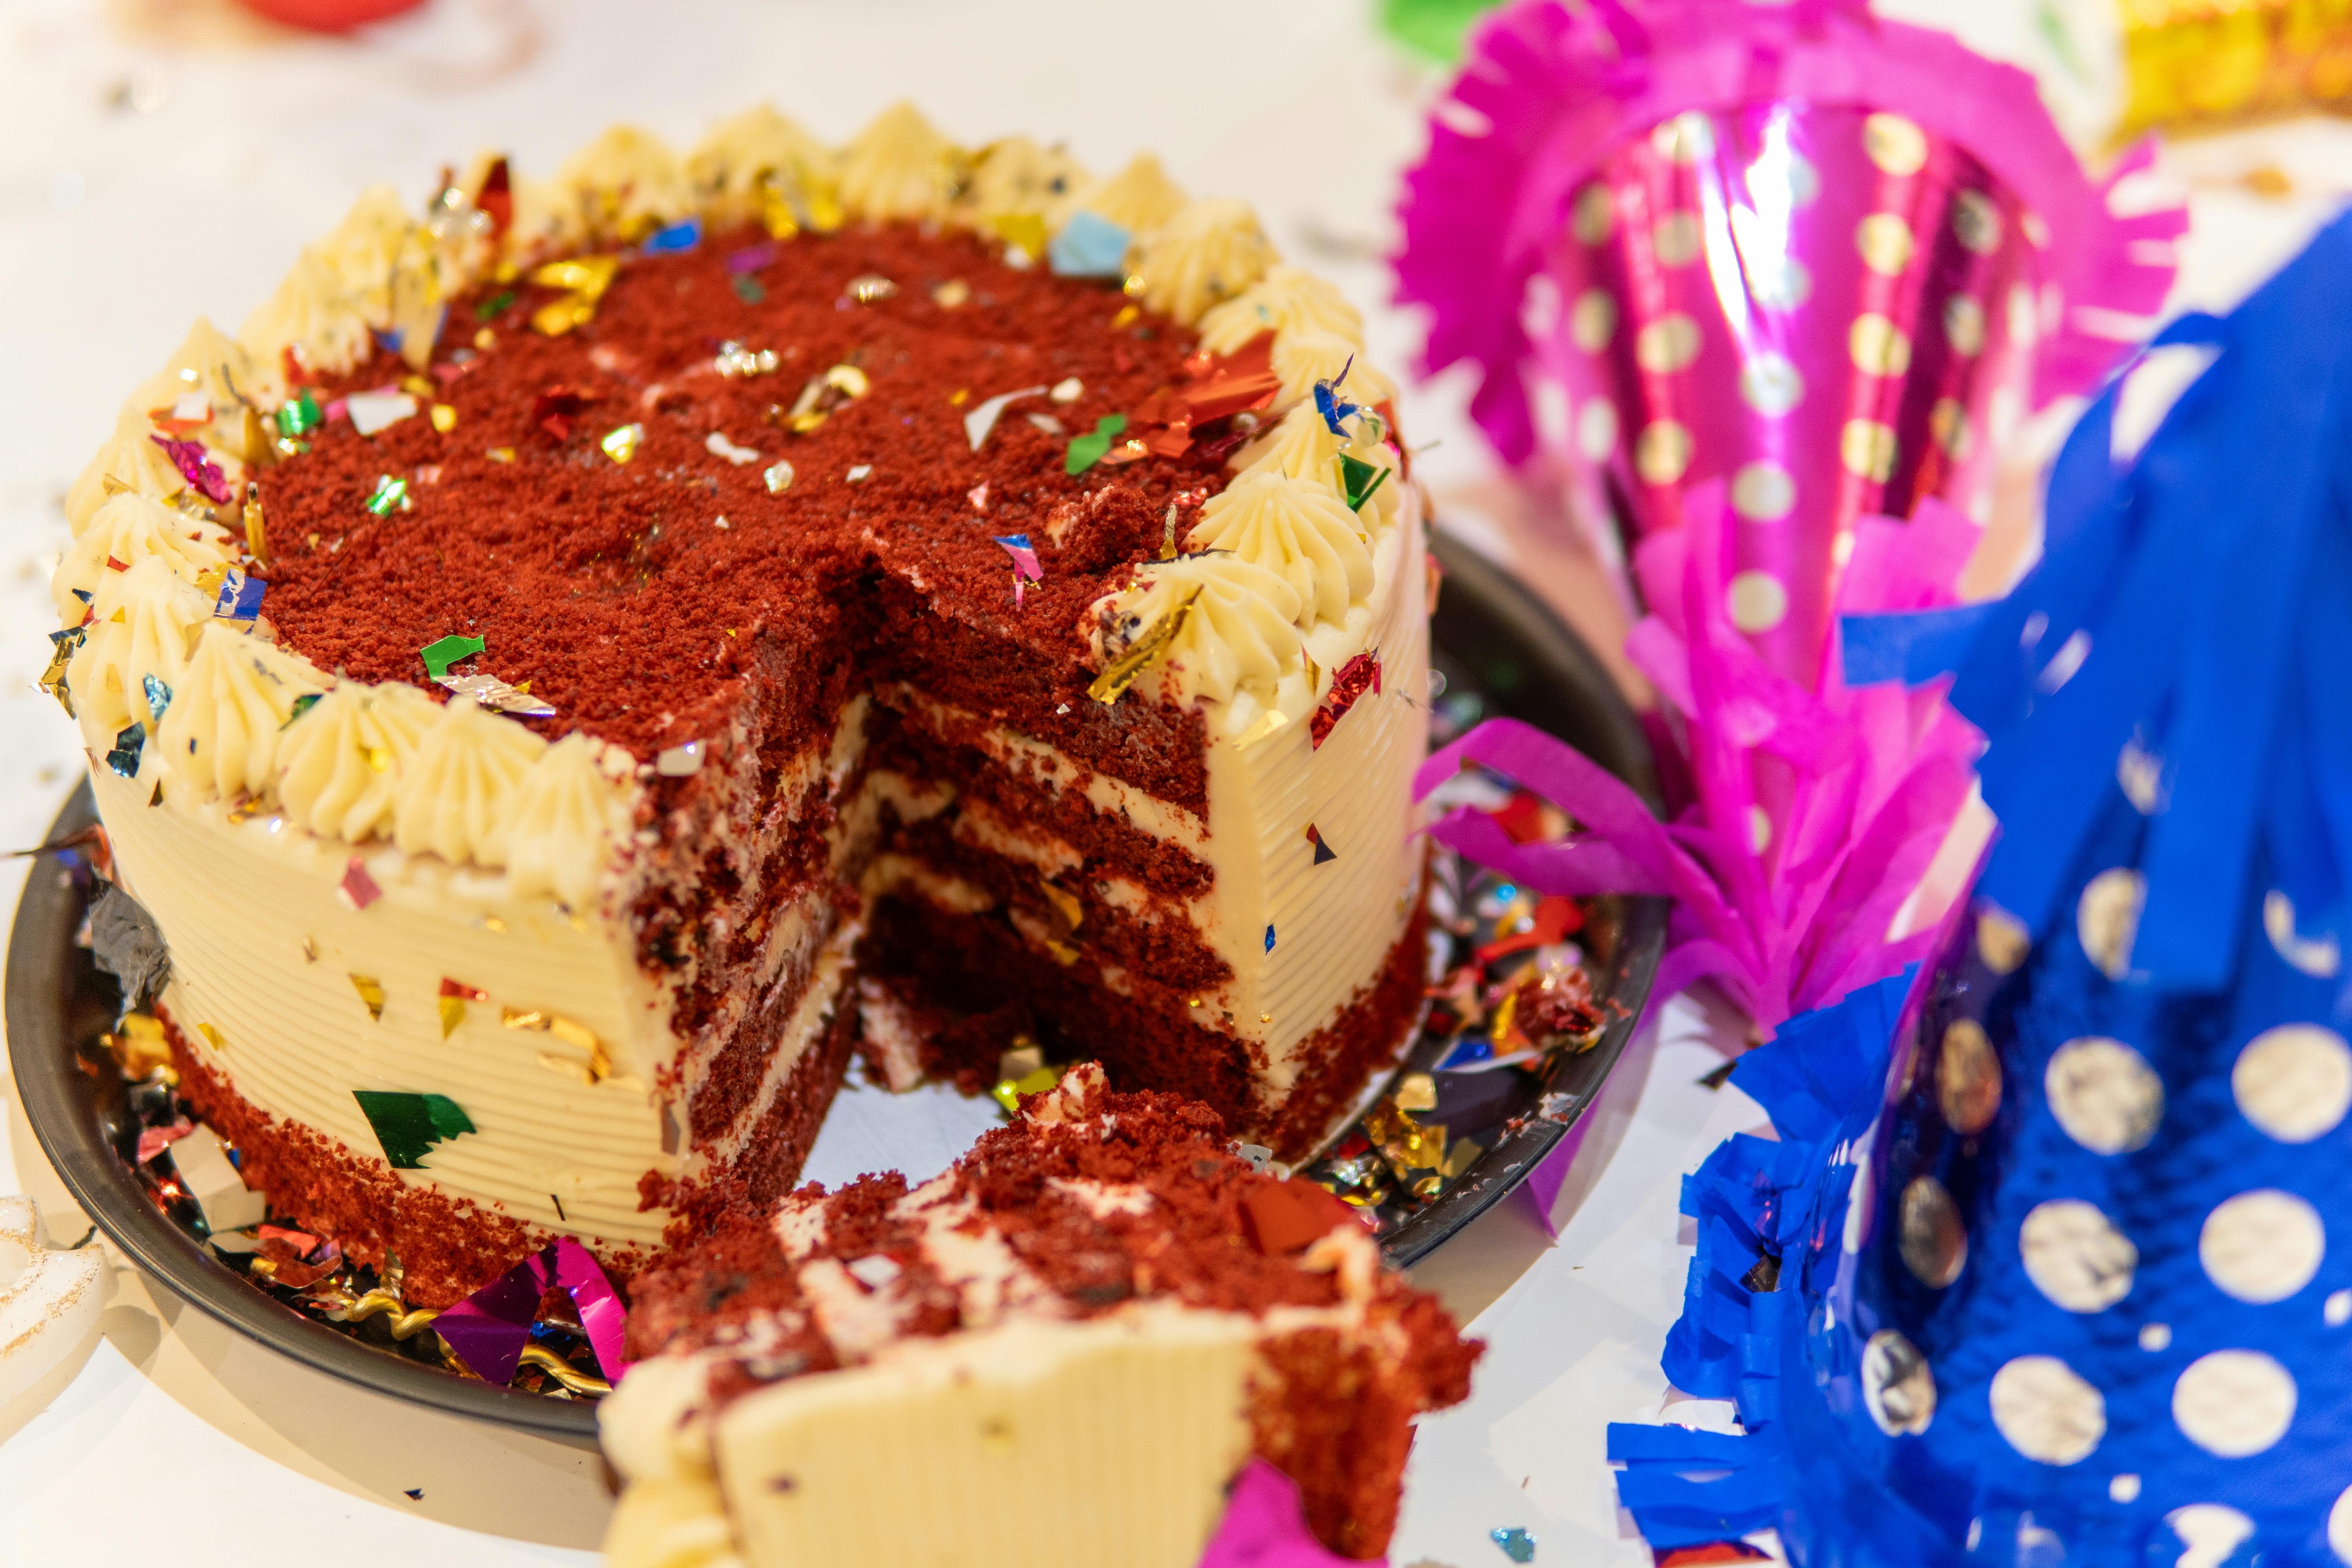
x=1099 y=1300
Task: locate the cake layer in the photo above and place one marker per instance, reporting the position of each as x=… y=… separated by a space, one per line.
x=1101 y=1294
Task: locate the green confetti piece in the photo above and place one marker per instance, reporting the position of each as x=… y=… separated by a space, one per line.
x=409 y=1125
x=1434 y=29
x=302 y=704
x=748 y=288
x=493 y=305
x=299 y=414
x=1087 y=450
x=1362 y=479
x=439 y=656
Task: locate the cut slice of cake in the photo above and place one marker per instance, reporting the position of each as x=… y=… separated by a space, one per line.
x=1060 y=1352
x=588 y=655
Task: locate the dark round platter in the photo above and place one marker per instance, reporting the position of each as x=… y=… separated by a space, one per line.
x=1500 y=652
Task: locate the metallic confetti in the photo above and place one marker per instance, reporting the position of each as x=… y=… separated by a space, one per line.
x=452 y=1001
x=677 y=237
x=257 y=535
x=595 y=1069
x=1348 y=682
x=1087 y=450
x=123 y=758
x=1069 y=389
x=982 y=418
x=357 y=891
x=1331 y=405
x=409 y=1125
x=490 y=1331
x=680 y=761
x=586 y=277
x=158 y=695
x=869 y=287
x=372 y=411
x=620 y=443
x=195 y=466
x=778 y=476
x=240 y=597
x=1323 y=852
x=390 y=494
x=1008 y=1091
x=441 y=653
x=753 y=258
x=1121 y=672
x=493 y=693
x=370 y=992
x=1269 y=937
x=126 y=943
x=1517 y=1545
x=1089 y=246
x=140 y=1049
x=1238 y=382
x=747 y=289
x=734 y=359
x=1360 y=479
x=489 y=310
x=950 y=295
x=445 y=417
x=63 y=645
x=301 y=705
x=859 y=474
x=1025 y=569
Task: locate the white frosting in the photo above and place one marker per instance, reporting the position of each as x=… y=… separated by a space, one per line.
x=1139 y=198
x=1303 y=447
x=1297 y=529
x=220 y=734
x=363 y=250
x=449 y=796
x=1309 y=355
x=1239 y=631
x=339 y=764
x=129 y=457
x=549 y=220
x=729 y=165
x=128 y=529
x=1207 y=253
x=1286 y=299
x=146 y=618
x=566 y=819
x=229 y=378
x=1015 y=176
x=899 y=169
x=627 y=183
x=315 y=313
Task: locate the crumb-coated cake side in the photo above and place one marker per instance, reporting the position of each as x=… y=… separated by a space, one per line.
x=589 y=658
x=1101 y=1304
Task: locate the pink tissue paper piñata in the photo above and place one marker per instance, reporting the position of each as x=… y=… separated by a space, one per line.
x=1265 y=1527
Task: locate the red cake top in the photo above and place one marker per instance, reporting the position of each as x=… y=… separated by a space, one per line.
x=596 y=566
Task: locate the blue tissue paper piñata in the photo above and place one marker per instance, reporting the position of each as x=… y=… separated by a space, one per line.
x=2049 y=1267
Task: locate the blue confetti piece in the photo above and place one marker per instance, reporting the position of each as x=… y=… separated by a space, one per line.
x=83 y=595
x=124 y=758
x=1269 y=939
x=240 y=597
x=677 y=237
x=1467 y=1051
x=1331 y=405
x=1089 y=246
x=159 y=696
x=1517 y=1545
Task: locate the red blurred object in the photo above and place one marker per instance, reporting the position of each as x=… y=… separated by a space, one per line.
x=328 y=16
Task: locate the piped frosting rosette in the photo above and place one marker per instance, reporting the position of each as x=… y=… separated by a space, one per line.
x=1825 y=259
x=2048 y=1264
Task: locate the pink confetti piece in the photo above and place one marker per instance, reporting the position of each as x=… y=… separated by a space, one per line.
x=1265 y=1527
x=357 y=889
x=195 y=466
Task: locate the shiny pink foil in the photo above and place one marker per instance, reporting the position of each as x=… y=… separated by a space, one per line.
x=1265 y=1527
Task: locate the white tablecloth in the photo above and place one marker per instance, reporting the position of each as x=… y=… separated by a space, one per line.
x=158 y=159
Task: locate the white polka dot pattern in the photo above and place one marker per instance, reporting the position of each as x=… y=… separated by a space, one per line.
x=2233 y=1403
x=2046 y=1411
x=2294 y=1082
x=2263 y=1245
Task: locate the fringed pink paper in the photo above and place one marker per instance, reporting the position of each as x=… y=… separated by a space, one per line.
x=1265 y=1527
x=1816 y=813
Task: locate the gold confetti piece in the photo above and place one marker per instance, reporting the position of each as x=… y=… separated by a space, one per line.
x=140 y=1047
x=492 y=922
x=415 y=386
x=581 y=274
x=848 y=379
x=1417 y=1091
x=256 y=538
x=956 y=399
x=213 y=1036
x=1066 y=904
x=594 y=1071
x=1121 y=672
x=370 y=992
x=379 y=758
x=620 y=443
x=445 y=417
x=1460 y=1158
x=868 y=287
x=485 y=339
x=500 y=454
x=453 y=1012
x=1008 y=1091
x=1024 y=232
x=950 y=294
x=560 y=1371
x=1126 y=313
x=403 y=1319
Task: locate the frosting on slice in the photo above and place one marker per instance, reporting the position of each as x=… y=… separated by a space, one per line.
x=1285 y=300
x=314 y=313
x=126 y=530
x=145 y=617
x=899 y=168
x=548 y=219
x=560 y=824
x=1240 y=632
x=1303 y=447
x=1015 y=176
x=729 y=165
x=1310 y=355
x=338 y=762
x=129 y=457
x=1298 y=530
x=209 y=363
x=1139 y=198
x=220 y=734
x=363 y=250
x=448 y=796
x=628 y=183
x=1208 y=252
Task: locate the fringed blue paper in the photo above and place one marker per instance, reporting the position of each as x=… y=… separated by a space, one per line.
x=2067 y=1280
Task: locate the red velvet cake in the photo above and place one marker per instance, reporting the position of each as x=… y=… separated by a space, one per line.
x=1098 y=1308
x=590 y=656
